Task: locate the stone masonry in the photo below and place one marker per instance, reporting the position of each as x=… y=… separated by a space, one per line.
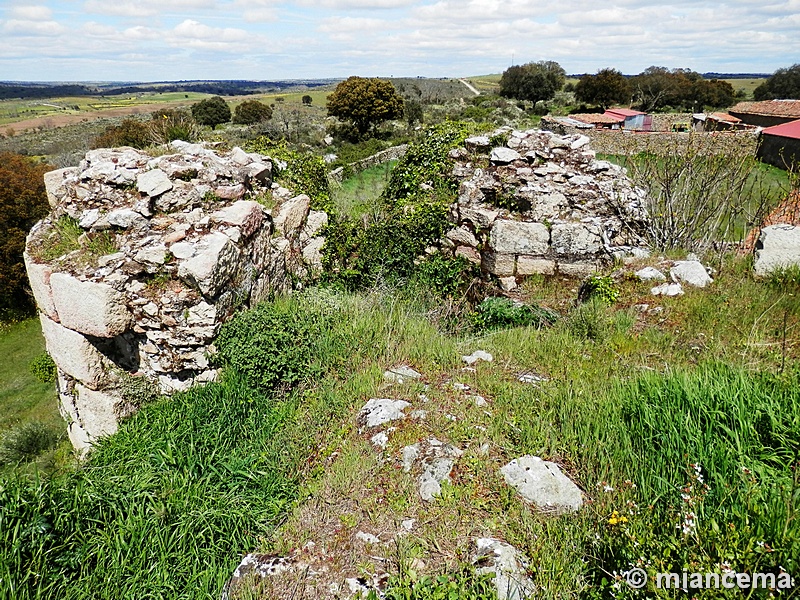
x=168 y=248
x=542 y=204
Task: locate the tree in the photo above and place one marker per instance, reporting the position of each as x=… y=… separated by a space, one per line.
x=211 y=111
x=783 y=84
x=413 y=112
x=23 y=201
x=250 y=112
x=365 y=102
x=307 y=100
x=608 y=87
x=533 y=81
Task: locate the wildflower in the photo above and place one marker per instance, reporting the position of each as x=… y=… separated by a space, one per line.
x=607 y=488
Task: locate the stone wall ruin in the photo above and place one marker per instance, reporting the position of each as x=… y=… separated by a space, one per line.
x=167 y=248
x=541 y=203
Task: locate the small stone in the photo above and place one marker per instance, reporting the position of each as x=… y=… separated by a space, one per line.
x=691 y=272
x=367 y=538
x=380 y=440
x=378 y=411
x=153 y=183
x=504 y=155
x=400 y=374
x=667 y=289
x=650 y=274
x=476 y=356
x=410 y=455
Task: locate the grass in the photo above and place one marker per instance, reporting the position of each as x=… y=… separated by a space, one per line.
x=23 y=397
x=358 y=195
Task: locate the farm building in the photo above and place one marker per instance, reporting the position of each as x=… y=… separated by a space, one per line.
x=767 y=113
x=716 y=122
x=599 y=121
x=631 y=119
x=780 y=145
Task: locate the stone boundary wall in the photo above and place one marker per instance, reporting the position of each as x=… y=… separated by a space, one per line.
x=169 y=248
x=384 y=156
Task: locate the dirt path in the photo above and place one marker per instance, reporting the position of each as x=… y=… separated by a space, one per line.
x=470 y=87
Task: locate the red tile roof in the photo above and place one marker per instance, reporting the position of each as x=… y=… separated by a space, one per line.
x=623 y=112
x=788 y=130
x=594 y=118
x=769 y=108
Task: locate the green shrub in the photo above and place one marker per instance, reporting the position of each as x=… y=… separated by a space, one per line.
x=463 y=585
x=131 y=132
x=785 y=278
x=445 y=276
x=43 y=368
x=271 y=345
x=601 y=287
x=301 y=172
x=25 y=442
x=166 y=126
x=589 y=320
x=500 y=313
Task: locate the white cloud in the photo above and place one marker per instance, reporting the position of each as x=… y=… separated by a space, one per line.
x=31 y=28
x=31 y=13
x=144 y=8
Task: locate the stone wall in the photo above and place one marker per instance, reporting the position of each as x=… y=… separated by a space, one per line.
x=379 y=158
x=542 y=204
x=168 y=247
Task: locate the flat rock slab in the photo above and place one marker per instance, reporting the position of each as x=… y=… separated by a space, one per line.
x=650 y=274
x=400 y=374
x=542 y=484
x=690 y=272
x=378 y=411
x=95 y=309
x=244 y=214
x=778 y=248
x=667 y=289
x=476 y=356
x=517 y=237
x=508 y=566
x=153 y=183
x=504 y=155
x=73 y=353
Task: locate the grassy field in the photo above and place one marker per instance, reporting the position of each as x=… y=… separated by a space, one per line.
x=746 y=85
x=356 y=196
x=22 y=396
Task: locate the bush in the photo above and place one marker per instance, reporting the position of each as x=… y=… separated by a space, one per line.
x=270 y=345
x=445 y=276
x=131 y=132
x=25 y=442
x=500 y=313
x=43 y=368
x=212 y=111
x=168 y=125
x=601 y=287
x=23 y=201
x=250 y=112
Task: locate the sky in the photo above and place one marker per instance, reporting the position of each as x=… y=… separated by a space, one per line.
x=157 y=40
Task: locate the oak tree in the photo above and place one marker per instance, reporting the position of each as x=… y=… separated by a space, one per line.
x=535 y=82
x=211 y=111
x=365 y=102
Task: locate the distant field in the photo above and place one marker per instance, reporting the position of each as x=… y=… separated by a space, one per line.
x=748 y=85
x=486 y=83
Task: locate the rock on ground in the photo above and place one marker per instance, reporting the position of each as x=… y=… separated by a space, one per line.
x=778 y=247
x=542 y=484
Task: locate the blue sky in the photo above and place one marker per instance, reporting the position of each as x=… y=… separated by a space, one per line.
x=149 y=40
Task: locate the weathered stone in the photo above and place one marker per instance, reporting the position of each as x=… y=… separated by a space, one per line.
x=259 y=172
x=125 y=218
x=73 y=353
x=507 y=565
x=462 y=236
x=244 y=214
x=97 y=412
x=39 y=278
x=476 y=356
x=400 y=374
x=501 y=265
x=691 y=272
x=89 y=218
x=91 y=308
x=504 y=155
x=518 y=237
x=291 y=215
x=667 y=289
x=432 y=477
x=378 y=411
x=471 y=254
x=572 y=239
x=650 y=274
x=55 y=183
x=153 y=183
x=778 y=247
x=155 y=255
x=578 y=269
x=528 y=265
x=213 y=264
x=477 y=143
x=480 y=217
x=202 y=314
x=230 y=192
x=314 y=223
x=182 y=250
x=542 y=484
x=312 y=254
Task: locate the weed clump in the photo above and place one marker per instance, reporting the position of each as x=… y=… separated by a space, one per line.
x=43 y=368
x=500 y=313
x=25 y=442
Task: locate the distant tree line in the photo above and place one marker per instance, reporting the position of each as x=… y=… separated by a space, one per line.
x=784 y=84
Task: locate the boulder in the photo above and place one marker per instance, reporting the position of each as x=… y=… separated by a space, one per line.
x=95 y=309
x=542 y=484
x=667 y=289
x=246 y=215
x=39 y=278
x=778 y=247
x=291 y=215
x=690 y=272
x=55 y=183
